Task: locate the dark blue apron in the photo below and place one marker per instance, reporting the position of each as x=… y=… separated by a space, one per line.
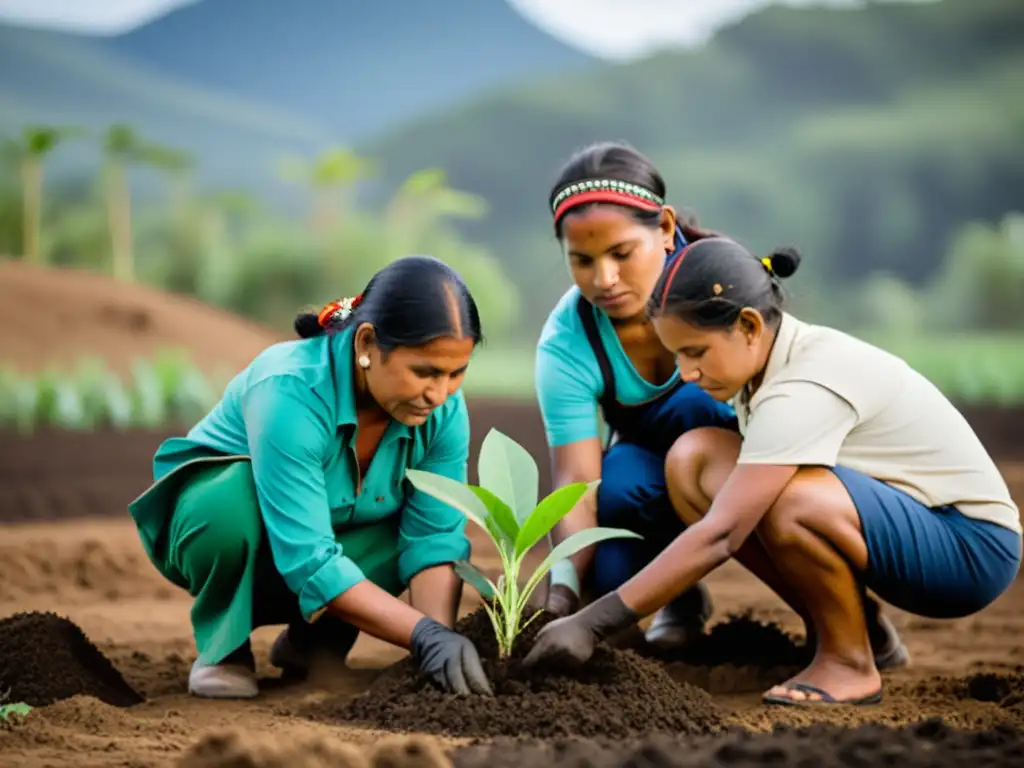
x=632 y=493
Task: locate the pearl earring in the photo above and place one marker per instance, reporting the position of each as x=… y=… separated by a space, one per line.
x=364 y=361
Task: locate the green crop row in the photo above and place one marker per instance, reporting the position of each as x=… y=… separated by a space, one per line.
x=168 y=389
x=970 y=369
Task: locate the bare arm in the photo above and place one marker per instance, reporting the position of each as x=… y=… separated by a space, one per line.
x=744 y=500
x=376 y=612
x=436 y=591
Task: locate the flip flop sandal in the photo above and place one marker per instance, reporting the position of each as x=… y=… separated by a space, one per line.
x=827 y=699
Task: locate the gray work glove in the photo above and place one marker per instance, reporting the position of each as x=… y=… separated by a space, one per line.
x=448 y=658
x=571 y=640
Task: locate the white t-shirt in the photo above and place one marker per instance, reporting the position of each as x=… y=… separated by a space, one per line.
x=830 y=399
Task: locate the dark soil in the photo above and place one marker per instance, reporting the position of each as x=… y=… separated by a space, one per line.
x=930 y=744
x=741 y=641
x=45 y=658
x=617 y=694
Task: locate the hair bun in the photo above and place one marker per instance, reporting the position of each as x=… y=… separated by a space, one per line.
x=307 y=325
x=785 y=261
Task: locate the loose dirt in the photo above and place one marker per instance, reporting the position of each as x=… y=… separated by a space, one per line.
x=617 y=694
x=931 y=744
x=45 y=658
x=968 y=672
x=56 y=317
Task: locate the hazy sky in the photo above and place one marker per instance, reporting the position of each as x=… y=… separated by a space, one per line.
x=612 y=28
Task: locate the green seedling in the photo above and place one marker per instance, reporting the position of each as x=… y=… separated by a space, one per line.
x=505 y=506
x=6 y=710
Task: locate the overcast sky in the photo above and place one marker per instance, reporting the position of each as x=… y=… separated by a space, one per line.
x=611 y=28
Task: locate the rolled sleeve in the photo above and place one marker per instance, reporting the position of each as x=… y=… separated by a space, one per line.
x=798 y=423
x=288 y=430
x=431 y=532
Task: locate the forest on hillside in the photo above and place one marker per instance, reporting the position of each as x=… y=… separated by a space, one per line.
x=870 y=138
x=883 y=141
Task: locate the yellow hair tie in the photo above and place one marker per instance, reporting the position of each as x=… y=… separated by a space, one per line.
x=767 y=261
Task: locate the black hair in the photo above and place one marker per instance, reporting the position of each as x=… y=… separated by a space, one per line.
x=713 y=280
x=620 y=161
x=409 y=303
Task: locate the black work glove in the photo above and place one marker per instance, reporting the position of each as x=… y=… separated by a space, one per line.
x=571 y=640
x=448 y=658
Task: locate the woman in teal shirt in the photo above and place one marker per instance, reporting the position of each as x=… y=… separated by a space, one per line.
x=288 y=503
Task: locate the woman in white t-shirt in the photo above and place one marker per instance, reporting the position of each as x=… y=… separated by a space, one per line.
x=852 y=471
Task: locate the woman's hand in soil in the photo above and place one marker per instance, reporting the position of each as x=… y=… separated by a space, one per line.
x=562 y=601
x=448 y=658
x=571 y=640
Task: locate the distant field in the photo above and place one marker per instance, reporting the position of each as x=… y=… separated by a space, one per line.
x=969 y=368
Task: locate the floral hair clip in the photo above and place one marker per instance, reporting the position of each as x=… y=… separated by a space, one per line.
x=338 y=311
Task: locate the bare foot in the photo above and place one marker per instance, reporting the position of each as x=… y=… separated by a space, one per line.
x=828 y=681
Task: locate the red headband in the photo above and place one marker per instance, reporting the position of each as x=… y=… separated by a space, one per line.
x=672 y=274
x=604 y=191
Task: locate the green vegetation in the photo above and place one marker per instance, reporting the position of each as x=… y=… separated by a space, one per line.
x=159 y=392
x=171 y=390
x=505 y=506
x=882 y=141
x=867 y=137
x=8 y=709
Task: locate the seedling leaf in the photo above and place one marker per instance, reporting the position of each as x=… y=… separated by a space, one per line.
x=574 y=544
x=501 y=514
x=451 y=492
x=21 y=709
x=470 y=574
x=553 y=508
x=508 y=471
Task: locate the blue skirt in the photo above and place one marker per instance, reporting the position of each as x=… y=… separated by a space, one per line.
x=932 y=562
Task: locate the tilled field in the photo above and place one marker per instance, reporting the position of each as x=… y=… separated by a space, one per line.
x=92 y=635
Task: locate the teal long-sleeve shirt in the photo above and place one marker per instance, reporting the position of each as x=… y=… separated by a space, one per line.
x=292 y=411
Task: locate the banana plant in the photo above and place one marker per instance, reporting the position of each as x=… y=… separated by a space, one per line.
x=505 y=505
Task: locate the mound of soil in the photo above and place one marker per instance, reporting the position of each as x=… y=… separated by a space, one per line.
x=617 y=694
x=45 y=658
x=929 y=744
x=1005 y=690
x=738 y=655
x=740 y=641
x=92 y=315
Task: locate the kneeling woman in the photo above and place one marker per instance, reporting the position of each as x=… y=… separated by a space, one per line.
x=853 y=473
x=287 y=504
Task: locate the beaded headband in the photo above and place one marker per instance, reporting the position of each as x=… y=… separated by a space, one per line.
x=604 y=191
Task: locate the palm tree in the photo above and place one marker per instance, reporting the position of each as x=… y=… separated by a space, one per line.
x=329 y=177
x=177 y=166
x=123 y=147
x=28 y=152
x=423 y=201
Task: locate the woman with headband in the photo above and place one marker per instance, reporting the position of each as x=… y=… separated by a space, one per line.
x=288 y=504
x=853 y=473
x=597 y=349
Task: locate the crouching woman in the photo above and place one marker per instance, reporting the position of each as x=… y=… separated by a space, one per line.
x=288 y=503
x=853 y=473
